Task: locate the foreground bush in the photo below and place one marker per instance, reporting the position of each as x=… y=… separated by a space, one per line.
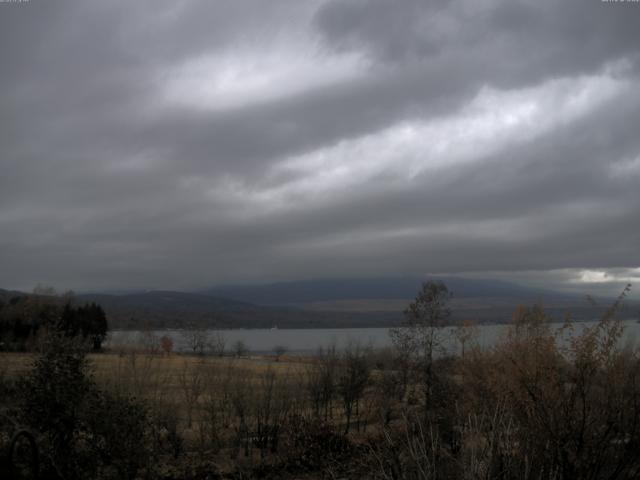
x=84 y=432
x=569 y=401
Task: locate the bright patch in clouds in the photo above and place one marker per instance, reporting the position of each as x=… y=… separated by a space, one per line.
x=245 y=76
x=594 y=276
x=492 y=122
x=604 y=276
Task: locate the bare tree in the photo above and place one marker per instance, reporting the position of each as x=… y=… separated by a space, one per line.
x=321 y=381
x=166 y=344
x=217 y=402
x=241 y=404
x=421 y=334
x=387 y=391
x=464 y=333
x=196 y=339
x=272 y=403
x=279 y=350
x=148 y=341
x=354 y=376
x=191 y=380
x=240 y=348
x=217 y=343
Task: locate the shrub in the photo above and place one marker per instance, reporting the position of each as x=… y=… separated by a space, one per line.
x=86 y=433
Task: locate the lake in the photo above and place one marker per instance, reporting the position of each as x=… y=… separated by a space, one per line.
x=263 y=341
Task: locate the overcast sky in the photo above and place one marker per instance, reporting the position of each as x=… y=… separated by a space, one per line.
x=181 y=144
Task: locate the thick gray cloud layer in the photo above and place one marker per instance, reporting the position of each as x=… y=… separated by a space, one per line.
x=184 y=144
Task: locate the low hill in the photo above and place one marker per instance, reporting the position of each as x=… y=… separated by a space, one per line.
x=325 y=304
x=170 y=309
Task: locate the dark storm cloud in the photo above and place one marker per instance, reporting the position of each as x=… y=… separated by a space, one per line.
x=520 y=40
x=165 y=144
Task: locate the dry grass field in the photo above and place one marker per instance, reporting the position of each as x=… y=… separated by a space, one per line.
x=15 y=363
x=200 y=403
x=157 y=376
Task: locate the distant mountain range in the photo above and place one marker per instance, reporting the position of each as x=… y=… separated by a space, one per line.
x=324 y=303
x=310 y=291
